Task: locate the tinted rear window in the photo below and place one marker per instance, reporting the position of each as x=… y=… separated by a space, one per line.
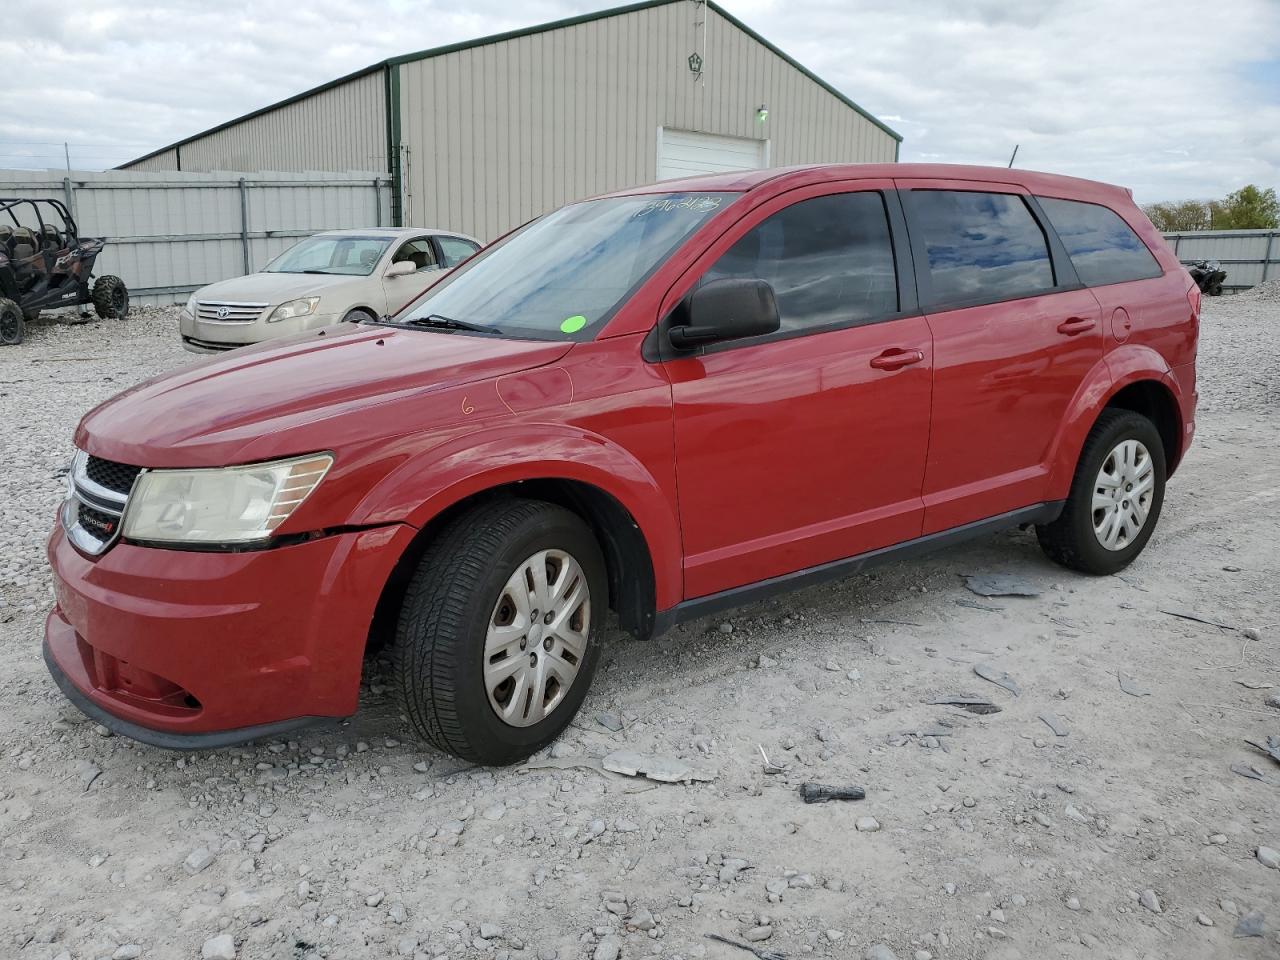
x=1103 y=248
x=981 y=246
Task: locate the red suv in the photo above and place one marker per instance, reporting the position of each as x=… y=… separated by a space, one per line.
x=665 y=402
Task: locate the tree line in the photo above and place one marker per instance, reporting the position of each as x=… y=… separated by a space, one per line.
x=1249 y=208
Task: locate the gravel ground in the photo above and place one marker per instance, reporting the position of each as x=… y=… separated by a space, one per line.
x=980 y=836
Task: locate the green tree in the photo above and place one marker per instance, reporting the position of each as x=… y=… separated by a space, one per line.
x=1249 y=208
x=1180 y=216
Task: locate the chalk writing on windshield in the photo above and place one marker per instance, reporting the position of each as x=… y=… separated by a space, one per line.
x=690 y=204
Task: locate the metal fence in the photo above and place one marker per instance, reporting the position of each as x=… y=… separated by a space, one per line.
x=171 y=232
x=1248 y=256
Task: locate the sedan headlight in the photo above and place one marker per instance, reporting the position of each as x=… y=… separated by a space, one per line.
x=225 y=505
x=294 y=308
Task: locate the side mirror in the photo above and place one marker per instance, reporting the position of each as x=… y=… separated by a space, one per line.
x=727 y=309
x=401 y=268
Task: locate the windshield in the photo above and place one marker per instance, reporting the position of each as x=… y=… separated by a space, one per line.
x=355 y=256
x=563 y=276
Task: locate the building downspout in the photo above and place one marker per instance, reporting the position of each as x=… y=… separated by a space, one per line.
x=394 y=171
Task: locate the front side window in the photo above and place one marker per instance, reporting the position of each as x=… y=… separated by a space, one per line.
x=829 y=260
x=1103 y=248
x=980 y=246
x=455 y=250
x=418 y=252
x=563 y=276
x=354 y=256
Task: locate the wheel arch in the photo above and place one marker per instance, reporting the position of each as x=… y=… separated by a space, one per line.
x=628 y=559
x=1154 y=400
x=1139 y=380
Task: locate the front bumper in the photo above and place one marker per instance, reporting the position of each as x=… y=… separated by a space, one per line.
x=212 y=336
x=195 y=650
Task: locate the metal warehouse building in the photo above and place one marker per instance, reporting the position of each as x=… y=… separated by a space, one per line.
x=484 y=135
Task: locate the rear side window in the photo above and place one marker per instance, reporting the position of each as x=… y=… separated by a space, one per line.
x=980 y=246
x=1103 y=248
x=455 y=250
x=828 y=259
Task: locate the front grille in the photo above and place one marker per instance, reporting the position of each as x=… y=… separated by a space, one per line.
x=96 y=501
x=101 y=525
x=117 y=477
x=229 y=311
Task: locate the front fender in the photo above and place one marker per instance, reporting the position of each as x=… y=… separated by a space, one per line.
x=1123 y=366
x=431 y=481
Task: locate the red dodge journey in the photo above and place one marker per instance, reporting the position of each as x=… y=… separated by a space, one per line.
x=662 y=402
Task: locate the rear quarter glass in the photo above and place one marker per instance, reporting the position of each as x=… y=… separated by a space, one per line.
x=1103 y=248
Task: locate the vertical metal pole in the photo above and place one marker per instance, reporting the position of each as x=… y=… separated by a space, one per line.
x=244 y=223
x=377 y=202
x=66 y=152
x=1266 y=258
x=1177 y=239
x=69 y=197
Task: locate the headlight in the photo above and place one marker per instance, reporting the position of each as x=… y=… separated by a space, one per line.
x=294 y=308
x=223 y=505
x=191 y=305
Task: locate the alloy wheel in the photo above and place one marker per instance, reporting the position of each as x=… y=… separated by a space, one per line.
x=537 y=637
x=1122 y=494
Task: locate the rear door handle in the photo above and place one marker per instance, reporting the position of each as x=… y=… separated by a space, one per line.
x=896 y=359
x=1073 y=325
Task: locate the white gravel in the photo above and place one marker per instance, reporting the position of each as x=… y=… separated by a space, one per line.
x=996 y=838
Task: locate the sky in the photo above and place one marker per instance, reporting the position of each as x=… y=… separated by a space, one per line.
x=1176 y=99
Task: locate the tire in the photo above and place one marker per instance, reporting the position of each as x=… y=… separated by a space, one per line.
x=110 y=298
x=358 y=316
x=12 y=325
x=461 y=592
x=1073 y=540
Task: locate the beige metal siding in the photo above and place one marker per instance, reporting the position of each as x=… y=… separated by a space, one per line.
x=495 y=135
x=338 y=129
x=166 y=160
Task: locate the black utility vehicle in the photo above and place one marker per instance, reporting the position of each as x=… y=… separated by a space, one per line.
x=44 y=262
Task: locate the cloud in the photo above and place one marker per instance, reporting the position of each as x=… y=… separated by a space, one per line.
x=1141 y=93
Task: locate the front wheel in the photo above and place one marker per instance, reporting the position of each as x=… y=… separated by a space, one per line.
x=110 y=298
x=1115 y=497
x=499 y=630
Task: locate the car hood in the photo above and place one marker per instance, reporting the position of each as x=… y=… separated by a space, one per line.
x=273 y=288
x=270 y=399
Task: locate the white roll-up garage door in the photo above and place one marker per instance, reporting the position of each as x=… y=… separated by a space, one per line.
x=683 y=153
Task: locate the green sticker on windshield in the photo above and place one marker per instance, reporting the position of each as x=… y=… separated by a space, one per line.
x=573 y=324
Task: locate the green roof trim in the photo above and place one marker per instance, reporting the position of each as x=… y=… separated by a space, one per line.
x=515 y=35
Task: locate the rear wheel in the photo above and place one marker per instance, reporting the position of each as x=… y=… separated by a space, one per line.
x=110 y=298
x=499 y=630
x=12 y=326
x=1115 y=498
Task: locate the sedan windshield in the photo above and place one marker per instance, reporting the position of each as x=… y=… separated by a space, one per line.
x=353 y=256
x=563 y=276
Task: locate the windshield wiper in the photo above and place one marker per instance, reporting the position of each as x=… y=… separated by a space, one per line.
x=439 y=321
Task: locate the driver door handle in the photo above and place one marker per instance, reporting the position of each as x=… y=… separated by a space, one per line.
x=897 y=358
